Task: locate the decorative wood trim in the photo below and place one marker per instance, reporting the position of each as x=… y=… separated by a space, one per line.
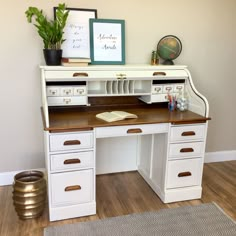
x=68 y=130
x=220 y=156
x=190 y=122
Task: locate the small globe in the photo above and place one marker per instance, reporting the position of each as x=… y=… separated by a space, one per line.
x=169 y=48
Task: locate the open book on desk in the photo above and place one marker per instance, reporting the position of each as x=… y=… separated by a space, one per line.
x=115 y=116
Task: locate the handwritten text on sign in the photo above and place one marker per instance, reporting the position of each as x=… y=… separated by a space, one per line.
x=76 y=33
x=107 y=42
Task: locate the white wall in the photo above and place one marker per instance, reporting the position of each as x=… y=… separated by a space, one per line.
x=206 y=28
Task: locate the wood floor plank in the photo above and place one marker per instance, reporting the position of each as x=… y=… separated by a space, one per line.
x=126 y=193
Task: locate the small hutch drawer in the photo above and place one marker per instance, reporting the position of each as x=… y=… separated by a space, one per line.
x=72 y=187
x=53 y=91
x=156 y=89
x=159 y=97
x=61 y=142
x=67 y=101
x=80 y=90
x=178 y=88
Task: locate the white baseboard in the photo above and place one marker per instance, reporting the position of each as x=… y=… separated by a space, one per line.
x=7 y=178
x=220 y=156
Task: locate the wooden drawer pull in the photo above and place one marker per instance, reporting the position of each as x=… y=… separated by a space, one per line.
x=184 y=174
x=134 y=131
x=186 y=150
x=72 y=188
x=188 y=133
x=158 y=73
x=72 y=161
x=72 y=142
x=80 y=74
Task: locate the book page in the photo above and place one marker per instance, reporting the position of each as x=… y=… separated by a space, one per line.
x=108 y=116
x=124 y=114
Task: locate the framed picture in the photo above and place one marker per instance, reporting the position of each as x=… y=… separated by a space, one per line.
x=107 y=41
x=77 y=33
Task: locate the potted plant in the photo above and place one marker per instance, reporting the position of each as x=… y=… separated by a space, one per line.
x=51 y=31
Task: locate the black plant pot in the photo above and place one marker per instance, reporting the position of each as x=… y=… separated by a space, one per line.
x=52 y=56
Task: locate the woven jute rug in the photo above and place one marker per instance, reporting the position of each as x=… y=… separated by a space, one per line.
x=205 y=219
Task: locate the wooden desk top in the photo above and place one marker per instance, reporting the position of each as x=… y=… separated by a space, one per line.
x=77 y=119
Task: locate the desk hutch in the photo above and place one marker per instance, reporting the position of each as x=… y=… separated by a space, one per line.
x=166 y=148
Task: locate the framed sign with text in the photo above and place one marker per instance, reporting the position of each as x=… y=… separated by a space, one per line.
x=107 y=41
x=77 y=33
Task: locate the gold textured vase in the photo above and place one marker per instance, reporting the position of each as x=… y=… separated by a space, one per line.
x=29 y=194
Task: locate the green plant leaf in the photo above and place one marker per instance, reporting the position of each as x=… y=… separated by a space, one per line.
x=51 y=31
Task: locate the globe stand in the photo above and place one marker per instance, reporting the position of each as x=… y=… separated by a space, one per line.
x=168 y=62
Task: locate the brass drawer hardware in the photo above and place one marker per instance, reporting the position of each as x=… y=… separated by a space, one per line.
x=121 y=76
x=80 y=74
x=158 y=73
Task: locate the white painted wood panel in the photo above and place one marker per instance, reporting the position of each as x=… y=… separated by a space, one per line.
x=69 y=161
x=117 y=131
x=67 y=141
x=176 y=177
x=186 y=150
x=61 y=181
x=187 y=132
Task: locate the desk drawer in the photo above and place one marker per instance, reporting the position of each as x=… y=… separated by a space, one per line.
x=72 y=160
x=157 y=89
x=187 y=132
x=159 y=97
x=61 y=142
x=184 y=173
x=80 y=90
x=193 y=149
x=67 y=101
x=66 y=91
x=72 y=187
x=127 y=130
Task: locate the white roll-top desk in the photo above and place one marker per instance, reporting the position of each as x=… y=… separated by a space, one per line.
x=166 y=147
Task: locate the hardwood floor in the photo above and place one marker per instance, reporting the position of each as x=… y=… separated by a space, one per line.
x=126 y=193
